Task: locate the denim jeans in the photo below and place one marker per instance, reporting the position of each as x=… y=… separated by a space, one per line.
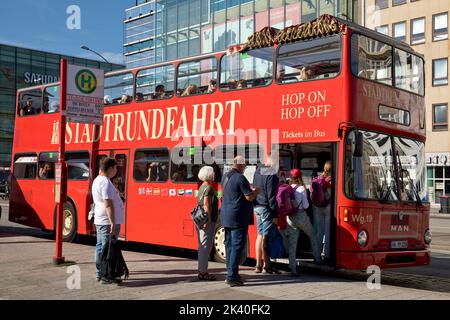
x=235 y=242
x=103 y=233
x=322 y=217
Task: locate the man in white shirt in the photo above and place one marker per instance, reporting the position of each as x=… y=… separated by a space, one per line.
x=108 y=206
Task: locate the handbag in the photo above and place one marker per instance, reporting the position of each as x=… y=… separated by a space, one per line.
x=198 y=214
x=275 y=245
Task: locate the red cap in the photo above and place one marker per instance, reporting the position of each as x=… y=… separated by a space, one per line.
x=296 y=173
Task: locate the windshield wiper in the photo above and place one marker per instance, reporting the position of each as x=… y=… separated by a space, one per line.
x=410 y=181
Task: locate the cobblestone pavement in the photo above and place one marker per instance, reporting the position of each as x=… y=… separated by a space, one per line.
x=26 y=272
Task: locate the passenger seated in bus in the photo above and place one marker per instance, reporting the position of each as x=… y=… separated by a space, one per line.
x=232 y=84
x=125 y=99
x=46 y=172
x=152 y=171
x=107 y=100
x=212 y=86
x=180 y=174
x=306 y=73
x=46 y=105
x=160 y=92
x=28 y=109
x=139 y=97
x=241 y=84
x=190 y=90
x=259 y=82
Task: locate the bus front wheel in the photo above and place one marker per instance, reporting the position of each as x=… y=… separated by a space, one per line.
x=219 y=246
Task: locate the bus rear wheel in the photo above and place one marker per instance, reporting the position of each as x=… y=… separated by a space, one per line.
x=219 y=246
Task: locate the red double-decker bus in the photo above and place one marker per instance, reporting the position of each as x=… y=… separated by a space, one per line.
x=324 y=90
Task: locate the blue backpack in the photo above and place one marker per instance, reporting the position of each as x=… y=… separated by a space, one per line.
x=275 y=245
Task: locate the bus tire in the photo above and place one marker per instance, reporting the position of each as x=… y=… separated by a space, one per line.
x=219 y=254
x=70 y=223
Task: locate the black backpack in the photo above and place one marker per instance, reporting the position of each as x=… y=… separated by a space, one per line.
x=113 y=264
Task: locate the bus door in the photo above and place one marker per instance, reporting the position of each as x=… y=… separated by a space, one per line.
x=311 y=158
x=120 y=180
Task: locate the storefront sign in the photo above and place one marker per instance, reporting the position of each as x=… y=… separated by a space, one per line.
x=438 y=159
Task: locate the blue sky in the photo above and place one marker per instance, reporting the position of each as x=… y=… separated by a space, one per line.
x=41 y=24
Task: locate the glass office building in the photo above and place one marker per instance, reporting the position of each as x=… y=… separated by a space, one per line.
x=162 y=30
x=20 y=68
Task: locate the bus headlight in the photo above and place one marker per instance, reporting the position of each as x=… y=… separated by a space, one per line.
x=427 y=236
x=362 y=238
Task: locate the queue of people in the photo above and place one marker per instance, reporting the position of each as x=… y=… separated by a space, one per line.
x=239 y=203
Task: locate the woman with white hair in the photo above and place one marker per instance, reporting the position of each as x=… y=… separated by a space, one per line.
x=207 y=196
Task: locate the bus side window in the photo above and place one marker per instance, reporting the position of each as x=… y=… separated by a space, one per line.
x=247 y=70
x=119 y=89
x=195 y=77
x=78 y=165
x=25 y=166
x=47 y=165
x=184 y=167
x=155 y=83
x=30 y=103
x=151 y=165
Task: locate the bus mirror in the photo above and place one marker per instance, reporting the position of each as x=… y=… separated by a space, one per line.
x=358 y=144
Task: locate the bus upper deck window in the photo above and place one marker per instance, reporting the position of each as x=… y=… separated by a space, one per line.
x=247 y=70
x=30 y=103
x=119 y=89
x=309 y=60
x=408 y=72
x=371 y=59
x=51 y=99
x=155 y=83
x=197 y=77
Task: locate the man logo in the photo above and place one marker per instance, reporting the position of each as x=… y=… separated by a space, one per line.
x=86 y=81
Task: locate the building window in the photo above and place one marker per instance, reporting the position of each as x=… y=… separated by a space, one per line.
x=383 y=29
x=398 y=2
x=440 y=117
x=418 y=31
x=381 y=4
x=440 y=26
x=438 y=177
x=440 y=72
x=399 y=30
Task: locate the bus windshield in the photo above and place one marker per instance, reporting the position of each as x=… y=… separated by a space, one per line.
x=371 y=174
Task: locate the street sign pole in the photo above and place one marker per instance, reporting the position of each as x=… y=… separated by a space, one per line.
x=61 y=182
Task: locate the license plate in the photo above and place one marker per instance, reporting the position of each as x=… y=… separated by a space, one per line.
x=399 y=244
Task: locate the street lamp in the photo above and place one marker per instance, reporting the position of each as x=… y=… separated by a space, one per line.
x=88 y=49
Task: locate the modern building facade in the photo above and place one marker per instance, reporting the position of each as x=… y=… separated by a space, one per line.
x=424 y=25
x=162 y=30
x=20 y=68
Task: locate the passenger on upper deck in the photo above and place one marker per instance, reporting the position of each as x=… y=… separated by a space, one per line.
x=125 y=99
x=191 y=89
x=232 y=84
x=306 y=73
x=46 y=105
x=241 y=84
x=212 y=86
x=28 y=109
x=107 y=100
x=139 y=97
x=160 y=92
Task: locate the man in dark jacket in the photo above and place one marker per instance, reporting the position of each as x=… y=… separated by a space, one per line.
x=266 y=210
x=236 y=214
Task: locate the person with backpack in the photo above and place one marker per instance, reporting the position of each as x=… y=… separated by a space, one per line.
x=293 y=201
x=266 y=211
x=321 y=200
